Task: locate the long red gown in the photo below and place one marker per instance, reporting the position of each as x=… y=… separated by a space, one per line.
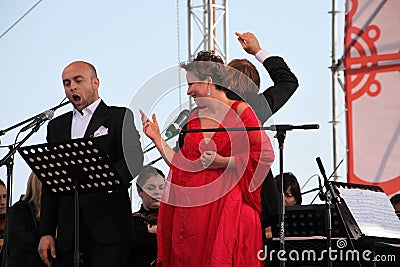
x=212 y=217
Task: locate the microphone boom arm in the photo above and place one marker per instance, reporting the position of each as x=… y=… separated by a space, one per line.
x=281 y=127
x=2 y=132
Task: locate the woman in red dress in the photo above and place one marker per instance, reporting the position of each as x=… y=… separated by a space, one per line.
x=210 y=213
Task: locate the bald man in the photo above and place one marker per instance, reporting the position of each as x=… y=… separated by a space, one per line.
x=105 y=217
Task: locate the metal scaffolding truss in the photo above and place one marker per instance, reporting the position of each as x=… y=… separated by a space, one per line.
x=210 y=19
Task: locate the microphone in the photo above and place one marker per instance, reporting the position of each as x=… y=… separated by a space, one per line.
x=321 y=167
x=175 y=127
x=42 y=117
x=320 y=192
x=328 y=185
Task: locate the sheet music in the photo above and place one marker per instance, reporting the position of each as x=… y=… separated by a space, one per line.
x=372 y=211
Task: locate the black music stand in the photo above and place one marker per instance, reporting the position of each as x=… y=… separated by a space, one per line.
x=305 y=230
x=308 y=221
x=72 y=167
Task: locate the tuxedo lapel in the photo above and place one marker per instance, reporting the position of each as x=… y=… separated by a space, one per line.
x=100 y=115
x=64 y=127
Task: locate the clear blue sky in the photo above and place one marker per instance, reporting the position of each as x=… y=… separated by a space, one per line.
x=130 y=42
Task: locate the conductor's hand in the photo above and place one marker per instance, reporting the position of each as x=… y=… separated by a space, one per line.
x=47 y=247
x=150 y=128
x=249 y=42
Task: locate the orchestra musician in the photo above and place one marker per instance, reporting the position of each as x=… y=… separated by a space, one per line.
x=150 y=186
x=395 y=200
x=22 y=228
x=291 y=188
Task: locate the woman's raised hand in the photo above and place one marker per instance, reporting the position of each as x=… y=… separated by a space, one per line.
x=150 y=128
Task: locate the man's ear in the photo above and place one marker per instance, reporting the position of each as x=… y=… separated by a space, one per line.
x=96 y=83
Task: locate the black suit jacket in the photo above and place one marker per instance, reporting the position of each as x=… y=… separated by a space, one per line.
x=107 y=214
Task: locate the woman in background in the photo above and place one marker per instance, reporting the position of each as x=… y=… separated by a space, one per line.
x=291 y=189
x=22 y=228
x=150 y=186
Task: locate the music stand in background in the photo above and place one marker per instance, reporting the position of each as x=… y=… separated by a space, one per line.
x=72 y=167
x=348 y=218
x=305 y=230
x=355 y=224
x=309 y=221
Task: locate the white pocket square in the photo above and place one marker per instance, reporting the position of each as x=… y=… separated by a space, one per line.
x=101 y=131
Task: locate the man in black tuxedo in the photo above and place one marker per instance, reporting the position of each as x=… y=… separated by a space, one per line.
x=105 y=217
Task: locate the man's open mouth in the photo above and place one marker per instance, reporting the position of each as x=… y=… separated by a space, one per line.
x=76 y=98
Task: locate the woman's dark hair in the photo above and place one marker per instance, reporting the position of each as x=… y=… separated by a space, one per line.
x=290 y=180
x=146 y=173
x=395 y=199
x=207 y=64
x=2 y=183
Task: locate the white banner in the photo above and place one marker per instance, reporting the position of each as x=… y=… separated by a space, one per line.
x=372 y=75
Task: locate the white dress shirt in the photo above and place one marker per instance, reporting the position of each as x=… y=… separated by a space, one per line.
x=262 y=55
x=80 y=121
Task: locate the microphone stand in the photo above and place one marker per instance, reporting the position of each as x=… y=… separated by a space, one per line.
x=176 y=148
x=328 y=202
x=280 y=135
x=154 y=161
x=281 y=127
x=153 y=146
x=331 y=197
x=2 y=132
x=321 y=193
x=8 y=160
x=311 y=190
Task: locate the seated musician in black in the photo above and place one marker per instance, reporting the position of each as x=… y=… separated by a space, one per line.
x=291 y=188
x=150 y=186
x=3 y=204
x=395 y=200
x=22 y=228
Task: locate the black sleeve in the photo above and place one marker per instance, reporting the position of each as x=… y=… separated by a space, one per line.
x=131 y=162
x=285 y=83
